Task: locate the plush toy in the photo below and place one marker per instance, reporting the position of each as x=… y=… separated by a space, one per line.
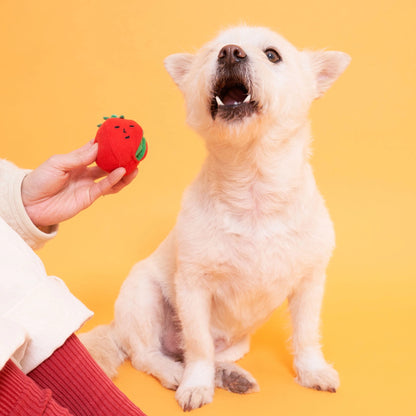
x=120 y=144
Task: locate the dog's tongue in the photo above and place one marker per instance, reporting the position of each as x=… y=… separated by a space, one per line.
x=234 y=96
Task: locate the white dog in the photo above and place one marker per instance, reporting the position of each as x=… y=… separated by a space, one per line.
x=253 y=229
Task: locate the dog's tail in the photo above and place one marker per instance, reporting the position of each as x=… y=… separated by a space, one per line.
x=102 y=345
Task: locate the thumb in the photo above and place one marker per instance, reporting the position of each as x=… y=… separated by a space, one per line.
x=83 y=156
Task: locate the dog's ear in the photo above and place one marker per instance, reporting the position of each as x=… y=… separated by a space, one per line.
x=327 y=67
x=178 y=66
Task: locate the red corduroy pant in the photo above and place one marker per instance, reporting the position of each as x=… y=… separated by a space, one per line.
x=68 y=383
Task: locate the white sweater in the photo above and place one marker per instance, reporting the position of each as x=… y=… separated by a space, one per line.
x=37 y=312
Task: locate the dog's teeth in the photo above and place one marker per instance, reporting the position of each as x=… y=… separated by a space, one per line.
x=248 y=98
x=219 y=102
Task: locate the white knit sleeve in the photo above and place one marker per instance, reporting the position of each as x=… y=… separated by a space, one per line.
x=12 y=209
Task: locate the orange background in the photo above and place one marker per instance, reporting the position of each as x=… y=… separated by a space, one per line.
x=65 y=64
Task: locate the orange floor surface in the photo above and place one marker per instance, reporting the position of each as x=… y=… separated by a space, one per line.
x=65 y=65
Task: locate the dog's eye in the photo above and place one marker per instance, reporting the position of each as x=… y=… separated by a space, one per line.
x=272 y=55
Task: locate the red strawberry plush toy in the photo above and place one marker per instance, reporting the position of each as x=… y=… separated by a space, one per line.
x=120 y=144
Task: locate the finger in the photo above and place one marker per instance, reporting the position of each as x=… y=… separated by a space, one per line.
x=130 y=177
x=83 y=156
x=126 y=180
x=95 y=172
x=105 y=186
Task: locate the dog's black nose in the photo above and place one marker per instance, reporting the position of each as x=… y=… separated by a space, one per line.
x=231 y=54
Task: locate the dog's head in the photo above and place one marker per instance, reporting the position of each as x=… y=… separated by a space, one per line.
x=251 y=79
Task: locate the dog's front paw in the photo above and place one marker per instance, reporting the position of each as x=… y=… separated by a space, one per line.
x=193 y=397
x=197 y=386
x=324 y=377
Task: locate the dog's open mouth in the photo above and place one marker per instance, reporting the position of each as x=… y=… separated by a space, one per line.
x=232 y=100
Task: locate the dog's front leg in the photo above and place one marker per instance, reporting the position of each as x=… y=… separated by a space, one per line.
x=193 y=301
x=310 y=365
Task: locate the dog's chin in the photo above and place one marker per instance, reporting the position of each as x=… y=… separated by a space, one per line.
x=232 y=100
x=233 y=112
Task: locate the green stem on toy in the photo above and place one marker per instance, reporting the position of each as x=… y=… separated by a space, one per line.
x=141 y=150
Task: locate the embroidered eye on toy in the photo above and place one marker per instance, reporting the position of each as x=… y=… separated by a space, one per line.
x=120 y=144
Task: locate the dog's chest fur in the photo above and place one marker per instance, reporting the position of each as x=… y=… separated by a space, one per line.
x=255 y=241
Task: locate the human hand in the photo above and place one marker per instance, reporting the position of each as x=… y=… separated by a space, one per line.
x=65 y=185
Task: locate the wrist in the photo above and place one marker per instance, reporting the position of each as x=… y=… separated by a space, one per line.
x=26 y=201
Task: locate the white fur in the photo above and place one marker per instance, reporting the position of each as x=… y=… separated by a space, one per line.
x=253 y=230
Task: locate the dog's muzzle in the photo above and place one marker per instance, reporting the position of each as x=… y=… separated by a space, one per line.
x=232 y=92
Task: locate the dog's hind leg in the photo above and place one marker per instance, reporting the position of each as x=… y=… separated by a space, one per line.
x=230 y=376
x=140 y=317
x=234 y=352
x=159 y=365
